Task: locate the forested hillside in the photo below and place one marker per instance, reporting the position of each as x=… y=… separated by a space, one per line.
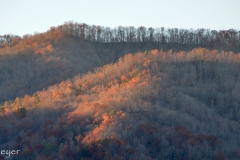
x=154 y=104
x=34 y=62
x=96 y=33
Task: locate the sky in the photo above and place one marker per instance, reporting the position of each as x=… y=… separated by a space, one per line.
x=20 y=17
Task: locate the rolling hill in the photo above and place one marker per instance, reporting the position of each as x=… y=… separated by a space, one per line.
x=34 y=62
x=154 y=104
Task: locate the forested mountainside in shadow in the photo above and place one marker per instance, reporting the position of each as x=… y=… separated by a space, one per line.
x=148 y=105
x=32 y=63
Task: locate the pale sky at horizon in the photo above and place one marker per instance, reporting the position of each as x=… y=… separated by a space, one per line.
x=20 y=17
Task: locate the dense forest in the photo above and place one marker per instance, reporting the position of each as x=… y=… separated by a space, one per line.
x=93 y=93
x=33 y=62
x=103 y=34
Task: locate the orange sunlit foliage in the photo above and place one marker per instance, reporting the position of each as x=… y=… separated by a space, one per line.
x=120 y=114
x=35 y=45
x=48 y=49
x=237 y=59
x=82 y=110
x=94 y=135
x=87 y=84
x=146 y=82
x=214 y=52
x=128 y=57
x=124 y=78
x=146 y=62
x=100 y=76
x=146 y=72
x=154 y=52
x=69 y=89
x=6 y=111
x=112 y=90
x=97 y=133
x=134 y=81
x=180 y=55
x=106 y=119
x=62 y=84
x=56 y=95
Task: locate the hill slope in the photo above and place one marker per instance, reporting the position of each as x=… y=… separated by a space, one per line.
x=151 y=105
x=32 y=63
